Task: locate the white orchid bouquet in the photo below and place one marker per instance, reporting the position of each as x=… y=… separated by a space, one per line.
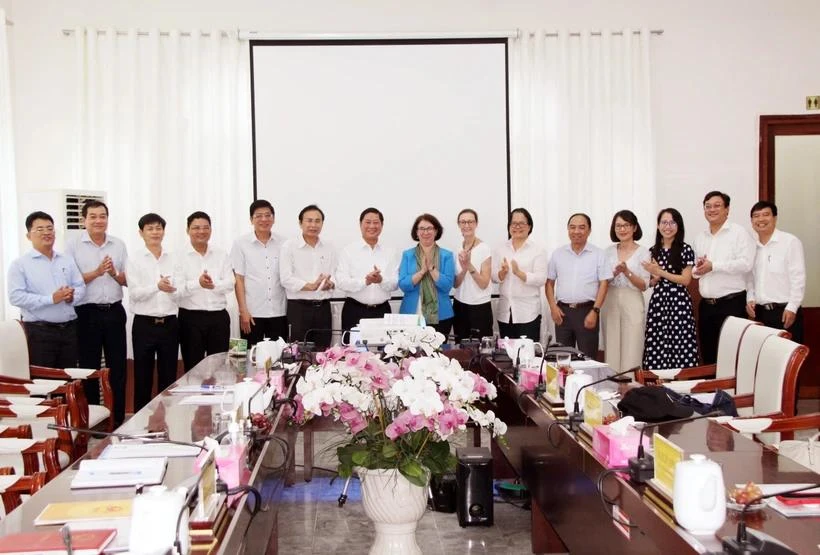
x=400 y=407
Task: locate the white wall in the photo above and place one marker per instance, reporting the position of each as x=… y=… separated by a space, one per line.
x=717 y=67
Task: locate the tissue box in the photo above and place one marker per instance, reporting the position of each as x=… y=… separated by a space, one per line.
x=615 y=448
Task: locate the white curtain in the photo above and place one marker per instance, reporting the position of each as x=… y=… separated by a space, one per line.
x=9 y=231
x=581 y=133
x=581 y=130
x=164 y=126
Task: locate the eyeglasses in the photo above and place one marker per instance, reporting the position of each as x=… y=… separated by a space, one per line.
x=43 y=229
x=425 y=229
x=519 y=224
x=623 y=226
x=713 y=206
x=668 y=223
x=466 y=222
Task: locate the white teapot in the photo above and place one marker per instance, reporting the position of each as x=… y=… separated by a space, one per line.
x=699 y=499
x=520 y=349
x=267 y=349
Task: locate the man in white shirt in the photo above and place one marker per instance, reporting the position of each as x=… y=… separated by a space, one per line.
x=153 y=276
x=308 y=272
x=259 y=292
x=368 y=272
x=777 y=283
x=724 y=255
x=577 y=281
x=204 y=323
x=100 y=315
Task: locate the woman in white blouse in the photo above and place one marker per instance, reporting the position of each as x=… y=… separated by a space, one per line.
x=520 y=269
x=471 y=304
x=623 y=312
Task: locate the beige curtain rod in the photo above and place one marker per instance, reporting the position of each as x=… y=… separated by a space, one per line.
x=121 y=33
x=599 y=33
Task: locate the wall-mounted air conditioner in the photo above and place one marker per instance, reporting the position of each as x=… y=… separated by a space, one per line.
x=64 y=205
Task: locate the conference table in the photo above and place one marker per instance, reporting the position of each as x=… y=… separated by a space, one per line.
x=186 y=423
x=561 y=471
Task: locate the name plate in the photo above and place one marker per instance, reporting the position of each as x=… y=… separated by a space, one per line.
x=552 y=382
x=667 y=455
x=593 y=408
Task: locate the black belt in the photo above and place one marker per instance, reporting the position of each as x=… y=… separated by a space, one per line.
x=576 y=305
x=724 y=298
x=357 y=303
x=771 y=306
x=157 y=320
x=308 y=302
x=101 y=306
x=58 y=325
x=197 y=311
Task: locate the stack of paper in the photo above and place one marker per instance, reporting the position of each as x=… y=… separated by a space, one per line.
x=108 y=473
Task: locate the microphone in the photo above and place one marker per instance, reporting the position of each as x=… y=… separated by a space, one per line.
x=542 y=387
x=745 y=543
x=308 y=345
x=577 y=415
x=641 y=468
x=150 y=437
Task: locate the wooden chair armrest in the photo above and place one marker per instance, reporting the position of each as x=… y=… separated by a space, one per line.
x=800 y=422
x=58 y=373
x=26 y=485
x=695 y=372
x=707 y=386
x=23 y=431
x=746 y=400
x=13 y=380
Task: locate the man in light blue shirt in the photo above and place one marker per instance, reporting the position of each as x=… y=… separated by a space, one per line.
x=45 y=285
x=576 y=287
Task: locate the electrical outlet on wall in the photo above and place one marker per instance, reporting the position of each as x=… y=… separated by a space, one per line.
x=813 y=103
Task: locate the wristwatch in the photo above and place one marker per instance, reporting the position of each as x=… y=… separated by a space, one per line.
x=596 y=310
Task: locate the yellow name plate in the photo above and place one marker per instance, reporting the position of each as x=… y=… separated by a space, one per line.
x=593 y=408
x=552 y=382
x=667 y=455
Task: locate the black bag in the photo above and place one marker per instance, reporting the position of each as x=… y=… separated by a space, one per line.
x=723 y=402
x=653 y=404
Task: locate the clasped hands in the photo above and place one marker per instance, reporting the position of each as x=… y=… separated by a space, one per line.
x=373 y=277
x=654 y=270
x=702 y=266
x=507 y=266
x=321 y=283
x=64 y=294
x=107 y=267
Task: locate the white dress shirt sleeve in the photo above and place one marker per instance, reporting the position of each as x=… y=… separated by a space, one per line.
x=797 y=274
x=287 y=274
x=742 y=256
x=347 y=280
x=538 y=276
x=140 y=285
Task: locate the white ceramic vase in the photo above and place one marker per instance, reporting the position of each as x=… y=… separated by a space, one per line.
x=395 y=506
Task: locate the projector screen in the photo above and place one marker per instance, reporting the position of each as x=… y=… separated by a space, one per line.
x=407 y=126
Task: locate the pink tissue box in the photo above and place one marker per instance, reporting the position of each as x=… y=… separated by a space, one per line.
x=617 y=449
x=528 y=379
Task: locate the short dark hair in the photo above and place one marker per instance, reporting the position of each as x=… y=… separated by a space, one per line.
x=198 y=215
x=92 y=203
x=261 y=203
x=367 y=211
x=430 y=218
x=308 y=208
x=525 y=213
x=38 y=215
x=726 y=198
x=587 y=218
x=762 y=205
x=151 y=218
x=468 y=211
x=629 y=217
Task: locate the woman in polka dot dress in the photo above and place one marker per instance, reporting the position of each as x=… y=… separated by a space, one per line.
x=670 y=323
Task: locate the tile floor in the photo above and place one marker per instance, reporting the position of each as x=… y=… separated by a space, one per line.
x=311 y=521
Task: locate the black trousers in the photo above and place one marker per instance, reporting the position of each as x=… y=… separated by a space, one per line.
x=444 y=327
x=711 y=316
x=772 y=316
x=572 y=331
x=202 y=333
x=472 y=320
x=52 y=345
x=262 y=328
x=153 y=338
x=310 y=321
x=353 y=311
x=101 y=329
x=531 y=329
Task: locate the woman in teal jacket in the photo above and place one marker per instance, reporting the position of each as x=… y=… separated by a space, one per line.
x=426 y=275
